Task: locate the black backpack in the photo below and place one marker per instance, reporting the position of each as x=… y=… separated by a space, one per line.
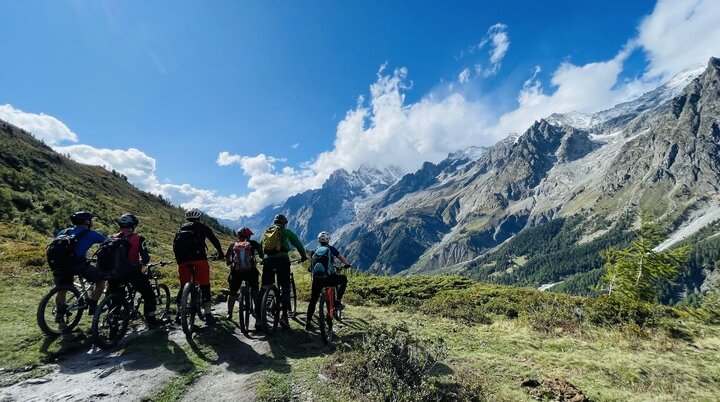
x=112 y=256
x=60 y=252
x=186 y=244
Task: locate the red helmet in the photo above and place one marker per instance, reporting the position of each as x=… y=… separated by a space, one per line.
x=244 y=233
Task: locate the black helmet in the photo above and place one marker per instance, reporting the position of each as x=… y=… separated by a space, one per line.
x=128 y=221
x=280 y=219
x=80 y=217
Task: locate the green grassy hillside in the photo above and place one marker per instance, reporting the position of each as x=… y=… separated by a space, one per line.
x=40 y=189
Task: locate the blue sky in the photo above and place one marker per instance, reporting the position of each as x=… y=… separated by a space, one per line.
x=203 y=101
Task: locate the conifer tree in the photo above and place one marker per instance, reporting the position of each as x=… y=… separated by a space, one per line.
x=636 y=272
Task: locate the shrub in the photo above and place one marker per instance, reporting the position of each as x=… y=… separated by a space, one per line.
x=391 y=364
x=21 y=203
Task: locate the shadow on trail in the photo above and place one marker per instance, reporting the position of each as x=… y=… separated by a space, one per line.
x=157 y=349
x=224 y=343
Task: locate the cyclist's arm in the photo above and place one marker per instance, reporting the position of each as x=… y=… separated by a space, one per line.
x=257 y=247
x=96 y=237
x=295 y=242
x=228 y=255
x=214 y=240
x=144 y=254
x=339 y=256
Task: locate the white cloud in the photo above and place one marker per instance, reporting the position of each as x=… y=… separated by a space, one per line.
x=587 y=88
x=385 y=129
x=295 y=145
x=47 y=128
x=133 y=163
x=499 y=42
x=679 y=35
x=464 y=76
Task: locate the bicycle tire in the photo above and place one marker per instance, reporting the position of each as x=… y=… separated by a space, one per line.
x=111 y=321
x=244 y=309
x=162 y=299
x=325 y=320
x=188 y=309
x=72 y=317
x=270 y=309
x=293 y=297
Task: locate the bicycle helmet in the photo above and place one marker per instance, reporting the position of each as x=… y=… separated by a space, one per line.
x=80 y=217
x=128 y=221
x=324 y=237
x=244 y=233
x=193 y=213
x=280 y=219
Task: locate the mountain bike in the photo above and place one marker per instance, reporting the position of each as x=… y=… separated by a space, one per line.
x=54 y=322
x=190 y=304
x=246 y=307
x=327 y=311
x=270 y=304
x=115 y=312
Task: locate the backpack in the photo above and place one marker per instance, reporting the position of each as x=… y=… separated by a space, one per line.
x=60 y=252
x=186 y=243
x=322 y=262
x=273 y=240
x=112 y=255
x=243 y=256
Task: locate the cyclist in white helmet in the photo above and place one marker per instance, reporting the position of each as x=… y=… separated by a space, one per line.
x=325 y=274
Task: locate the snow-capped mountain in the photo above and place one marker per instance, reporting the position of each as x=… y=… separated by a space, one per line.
x=591 y=176
x=327 y=208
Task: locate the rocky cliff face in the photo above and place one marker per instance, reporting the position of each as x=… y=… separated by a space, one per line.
x=656 y=155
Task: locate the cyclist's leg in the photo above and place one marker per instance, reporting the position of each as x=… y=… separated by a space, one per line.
x=253 y=280
x=234 y=281
x=92 y=274
x=184 y=275
x=60 y=279
x=141 y=283
x=283 y=272
x=202 y=277
x=317 y=285
x=341 y=282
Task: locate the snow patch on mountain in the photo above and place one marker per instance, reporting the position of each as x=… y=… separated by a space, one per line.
x=695 y=222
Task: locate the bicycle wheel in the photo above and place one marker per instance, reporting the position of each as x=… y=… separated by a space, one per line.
x=293 y=297
x=270 y=309
x=162 y=299
x=324 y=319
x=47 y=313
x=188 y=308
x=111 y=320
x=245 y=309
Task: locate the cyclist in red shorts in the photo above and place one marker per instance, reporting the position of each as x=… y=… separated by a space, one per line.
x=190 y=250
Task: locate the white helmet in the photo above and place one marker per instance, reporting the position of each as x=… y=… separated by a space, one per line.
x=193 y=213
x=324 y=237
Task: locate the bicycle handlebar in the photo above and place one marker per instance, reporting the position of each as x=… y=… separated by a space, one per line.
x=155 y=264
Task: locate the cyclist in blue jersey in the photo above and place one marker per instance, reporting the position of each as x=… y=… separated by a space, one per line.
x=86 y=237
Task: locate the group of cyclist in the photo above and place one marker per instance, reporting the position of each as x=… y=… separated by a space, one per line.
x=190 y=251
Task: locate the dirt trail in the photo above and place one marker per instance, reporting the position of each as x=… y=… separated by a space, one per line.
x=133 y=373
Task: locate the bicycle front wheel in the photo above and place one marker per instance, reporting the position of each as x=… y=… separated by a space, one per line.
x=293 y=297
x=326 y=331
x=111 y=321
x=188 y=308
x=245 y=309
x=54 y=320
x=270 y=309
x=162 y=300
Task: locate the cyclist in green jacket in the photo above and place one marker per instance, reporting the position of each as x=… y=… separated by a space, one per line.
x=276 y=244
